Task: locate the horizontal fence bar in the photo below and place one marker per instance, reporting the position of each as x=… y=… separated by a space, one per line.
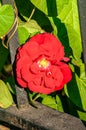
x=41 y=118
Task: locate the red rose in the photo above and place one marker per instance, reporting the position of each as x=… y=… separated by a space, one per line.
x=40 y=64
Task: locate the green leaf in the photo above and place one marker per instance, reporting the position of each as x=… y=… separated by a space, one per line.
x=82 y=115
x=74 y=40
x=24 y=7
x=5 y=95
x=59 y=103
x=49 y=101
x=6 y=19
x=49 y=7
x=66 y=27
x=54 y=23
x=10 y=82
x=32 y=27
x=28 y=29
x=23 y=34
x=60 y=31
x=69 y=16
x=82 y=71
x=76 y=91
x=61 y=4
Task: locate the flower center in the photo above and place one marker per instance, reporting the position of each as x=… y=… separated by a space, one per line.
x=43 y=63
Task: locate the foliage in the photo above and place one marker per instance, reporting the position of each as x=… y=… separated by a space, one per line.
x=59 y=17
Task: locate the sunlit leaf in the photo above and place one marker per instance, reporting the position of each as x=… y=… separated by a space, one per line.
x=69 y=16
x=23 y=34
x=28 y=29
x=49 y=101
x=49 y=7
x=76 y=91
x=5 y=95
x=6 y=19
x=59 y=103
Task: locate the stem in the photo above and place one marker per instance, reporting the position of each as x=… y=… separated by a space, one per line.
x=31 y=15
x=37 y=96
x=31 y=101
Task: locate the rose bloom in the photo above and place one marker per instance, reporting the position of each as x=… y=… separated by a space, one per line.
x=41 y=66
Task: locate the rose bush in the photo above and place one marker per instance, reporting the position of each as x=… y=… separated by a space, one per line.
x=41 y=65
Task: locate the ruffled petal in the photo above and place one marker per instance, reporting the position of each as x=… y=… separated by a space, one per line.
x=34 y=68
x=39 y=88
x=52 y=47
x=65 y=69
x=49 y=46
x=57 y=75
x=32 y=48
x=67 y=75
x=26 y=74
x=22 y=62
x=22 y=83
x=49 y=82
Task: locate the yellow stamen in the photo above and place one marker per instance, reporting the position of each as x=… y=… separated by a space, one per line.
x=43 y=63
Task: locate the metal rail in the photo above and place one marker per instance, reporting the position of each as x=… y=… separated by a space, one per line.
x=82 y=16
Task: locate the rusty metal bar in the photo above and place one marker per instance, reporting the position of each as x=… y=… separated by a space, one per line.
x=13 y=45
x=43 y=118
x=82 y=15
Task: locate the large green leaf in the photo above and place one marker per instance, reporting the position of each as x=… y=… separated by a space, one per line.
x=49 y=101
x=32 y=27
x=66 y=28
x=5 y=95
x=28 y=29
x=82 y=115
x=24 y=7
x=6 y=18
x=69 y=16
x=60 y=31
x=59 y=103
x=76 y=91
x=23 y=34
x=49 y=7
x=74 y=41
x=61 y=4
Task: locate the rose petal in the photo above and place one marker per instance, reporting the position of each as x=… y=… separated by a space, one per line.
x=39 y=89
x=49 y=46
x=22 y=83
x=34 y=68
x=51 y=43
x=57 y=75
x=32 y=48
x=37 y=85
x=67 y=75
x=49 y=82
x=26 y=73
x=66 y=59
x=22 y=62
x=65 y=69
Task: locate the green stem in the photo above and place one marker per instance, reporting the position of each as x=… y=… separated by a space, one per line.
x=36 y=97
x=31 y=101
